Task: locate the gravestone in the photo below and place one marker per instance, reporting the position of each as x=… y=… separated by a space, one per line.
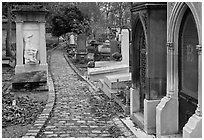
x=125 y=46
x=31 y=57
x=72 y=39
x=81 y=43
x=81 y=48
x=114 y=46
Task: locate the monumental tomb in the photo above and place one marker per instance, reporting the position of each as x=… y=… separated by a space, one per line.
x=31 y=59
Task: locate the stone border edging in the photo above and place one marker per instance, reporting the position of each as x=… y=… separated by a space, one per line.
x=93 y=88
x=42 y=119
x=34 y=131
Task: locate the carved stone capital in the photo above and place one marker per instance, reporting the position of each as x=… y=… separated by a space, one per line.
x=199 y=48
x=198 y=111
x=170 y=45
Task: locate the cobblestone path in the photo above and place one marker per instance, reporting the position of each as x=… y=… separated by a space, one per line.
x=72 y=115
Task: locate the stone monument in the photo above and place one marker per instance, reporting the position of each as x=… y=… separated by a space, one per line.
x=31 y=59
x=30 y=39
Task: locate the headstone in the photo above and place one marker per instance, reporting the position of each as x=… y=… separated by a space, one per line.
x=30 y=39
x=114 y=46
x=72 y=39
x=125 y=46
x=81 y=43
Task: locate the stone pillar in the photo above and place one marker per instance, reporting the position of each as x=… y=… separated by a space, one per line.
x=19 y=42
x=125 y=46
x=167 y=109
x=193 y=128
x=43 y=53
x=170 y=69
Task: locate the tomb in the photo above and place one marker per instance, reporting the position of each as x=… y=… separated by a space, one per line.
x=31 y=58
x=103 y=68
x=81 y=54
x=113 y=77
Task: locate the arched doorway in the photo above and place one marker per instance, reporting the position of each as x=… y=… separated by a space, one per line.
x=187 y=68
x=141 y=62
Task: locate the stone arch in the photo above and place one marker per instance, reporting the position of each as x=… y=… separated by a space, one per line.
x=176 y=17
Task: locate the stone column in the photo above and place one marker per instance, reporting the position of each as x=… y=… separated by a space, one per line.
x=19 y=42
x=193 y=129
x=125 y=46
x=170 y=69
x=43 y=55
x=199 y=108
x=167 y=109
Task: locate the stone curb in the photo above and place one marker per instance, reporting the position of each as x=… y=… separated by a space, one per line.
x=42 y=119
x=116 y=120
x=34 y=131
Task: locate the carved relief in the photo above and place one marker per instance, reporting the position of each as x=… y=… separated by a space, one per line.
x=30 y=52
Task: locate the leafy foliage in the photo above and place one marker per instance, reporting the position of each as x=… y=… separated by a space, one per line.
x=24 y=112
x=70 y=20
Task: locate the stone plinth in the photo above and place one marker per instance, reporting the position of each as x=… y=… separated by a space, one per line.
x=29 y=80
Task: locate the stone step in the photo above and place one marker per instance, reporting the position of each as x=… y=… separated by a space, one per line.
x=101 y=85
x=118 y=80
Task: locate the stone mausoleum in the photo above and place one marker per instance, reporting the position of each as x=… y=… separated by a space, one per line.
x=166 y=93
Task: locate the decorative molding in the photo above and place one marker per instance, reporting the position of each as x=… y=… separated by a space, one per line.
x=170 y=45
x=143 y=16
x=199 y=48
x=198 y=111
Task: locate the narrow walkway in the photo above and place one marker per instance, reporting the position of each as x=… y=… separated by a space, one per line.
x=73 y=113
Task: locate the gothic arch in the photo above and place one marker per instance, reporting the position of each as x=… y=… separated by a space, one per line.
x=176 y=17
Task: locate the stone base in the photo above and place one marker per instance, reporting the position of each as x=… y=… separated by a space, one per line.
x=123 y=79
x=101 y=85
x=138 y=118
x=193 y=129
x=167 y=116
x=32 y=81
x=134 y=101
x=150 y=116
x=31 y=67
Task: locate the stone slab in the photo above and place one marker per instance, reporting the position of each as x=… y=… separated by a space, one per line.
x=101 y=85
x=150 y=116
x=27 y=77
x=123 y=78
x=106 y=63
x=136 y=131
x=32 y=81
x=107 y=69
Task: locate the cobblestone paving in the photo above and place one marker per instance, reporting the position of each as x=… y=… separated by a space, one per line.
x=72 y=115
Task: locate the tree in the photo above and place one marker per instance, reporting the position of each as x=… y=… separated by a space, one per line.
x=71 y=19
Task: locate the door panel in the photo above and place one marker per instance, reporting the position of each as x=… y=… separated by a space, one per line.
x=142 y=47
x=188 y=68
